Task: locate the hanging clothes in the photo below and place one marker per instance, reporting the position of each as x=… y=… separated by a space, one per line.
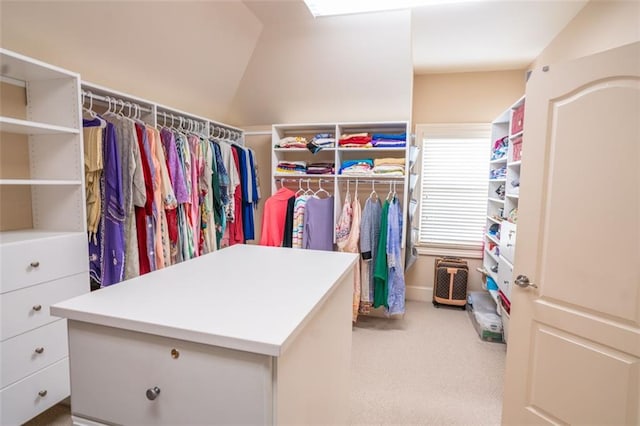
x=318 y=224
x=298 y=220
x=273 y=218
x=162 y=192
x=197 y=168
x=220 y=192
x=132 y=187
x=234 y=179
x=207 y=219
x=343 y=227
x=93 y=165
x=395 y=274
x=369 y=238
x=179 y=189
x=352 y=246
x=143 y=213
x=250 y=195
x=380 y=292
x=287 y=238
x=186 y=248
x=235 y=227
x=107 y=248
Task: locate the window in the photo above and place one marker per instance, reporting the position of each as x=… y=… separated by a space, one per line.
x=453 y=199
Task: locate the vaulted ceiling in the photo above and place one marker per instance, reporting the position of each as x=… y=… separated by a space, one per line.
x=268 y=61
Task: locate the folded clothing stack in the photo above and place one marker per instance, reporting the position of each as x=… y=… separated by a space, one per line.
x=320 y=168
x=292 y=142
x=292 y=167
x=355 y=140
x=389 y=140
x=324 y=140
x=500 y=173
x=499 y=149
x=389 y=166
x=362 y=167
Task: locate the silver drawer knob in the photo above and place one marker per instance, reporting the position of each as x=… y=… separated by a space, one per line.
x=152 y=393
x=37 y=307
x=34 y=264
x=39 y=350
x=43 y=393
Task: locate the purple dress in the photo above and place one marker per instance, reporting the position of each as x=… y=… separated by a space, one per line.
x=107 y=253
x=318 y=224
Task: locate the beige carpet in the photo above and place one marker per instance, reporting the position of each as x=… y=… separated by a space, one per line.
x=429 y=368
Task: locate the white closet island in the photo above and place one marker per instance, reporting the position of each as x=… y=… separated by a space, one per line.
x=244 y=335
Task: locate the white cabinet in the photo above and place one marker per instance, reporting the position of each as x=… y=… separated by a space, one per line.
x=335 y=182
x=502 y=201
x=43 y=243
x=245 y=348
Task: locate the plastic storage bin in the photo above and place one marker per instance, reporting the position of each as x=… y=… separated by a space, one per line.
x=484 y=317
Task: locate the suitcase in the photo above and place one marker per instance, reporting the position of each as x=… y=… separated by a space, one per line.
x=450 y=282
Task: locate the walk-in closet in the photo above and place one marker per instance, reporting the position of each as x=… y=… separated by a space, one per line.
x=276 y=212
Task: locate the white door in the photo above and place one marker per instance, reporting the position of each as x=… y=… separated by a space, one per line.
x=574 y=341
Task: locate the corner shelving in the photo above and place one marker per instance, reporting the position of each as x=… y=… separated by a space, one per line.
x=503 y=198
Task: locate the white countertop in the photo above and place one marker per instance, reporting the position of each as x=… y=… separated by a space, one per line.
x=244 y=297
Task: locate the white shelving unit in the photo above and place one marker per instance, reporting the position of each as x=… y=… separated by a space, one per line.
x=336 y=155
x=44 y=257
x=502 y=201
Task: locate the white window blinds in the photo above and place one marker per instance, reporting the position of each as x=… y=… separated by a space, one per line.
x=454 y=189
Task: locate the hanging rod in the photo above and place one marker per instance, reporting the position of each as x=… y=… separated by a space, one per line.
x=296 y=179
x=365 y=181
x=103 y=99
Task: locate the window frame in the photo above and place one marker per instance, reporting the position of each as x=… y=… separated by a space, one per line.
x=446 y=130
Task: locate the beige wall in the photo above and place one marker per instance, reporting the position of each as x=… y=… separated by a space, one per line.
x=345 y=68
x=600 y=25
x=188 y=55
x=472 y=97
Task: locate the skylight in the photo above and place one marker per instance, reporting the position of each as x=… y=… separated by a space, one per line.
x=346 y=7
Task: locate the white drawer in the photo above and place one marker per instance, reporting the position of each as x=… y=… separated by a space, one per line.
x=31 y=396
x=26 y=309
x=505 y=277
x=112 y=369
x=35 y=261
x=29 y=352
x=507 y=240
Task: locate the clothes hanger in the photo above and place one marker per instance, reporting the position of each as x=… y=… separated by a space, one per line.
x=355 y=197
x=390 y=194
x=300 y=190
x=321 y=190
x=373 y=191
x=347 y=196
x=309 y=191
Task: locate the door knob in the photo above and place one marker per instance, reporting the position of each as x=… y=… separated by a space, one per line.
x=523 y=281
x=152 y=393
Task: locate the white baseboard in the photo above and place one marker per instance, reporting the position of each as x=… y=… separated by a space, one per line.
x=420 y=294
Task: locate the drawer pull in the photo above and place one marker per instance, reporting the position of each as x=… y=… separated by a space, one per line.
x=43 y=393
x=37 y=307
x=34 y=264
x=39 y=350
x=175 y=354
x=152 y=393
